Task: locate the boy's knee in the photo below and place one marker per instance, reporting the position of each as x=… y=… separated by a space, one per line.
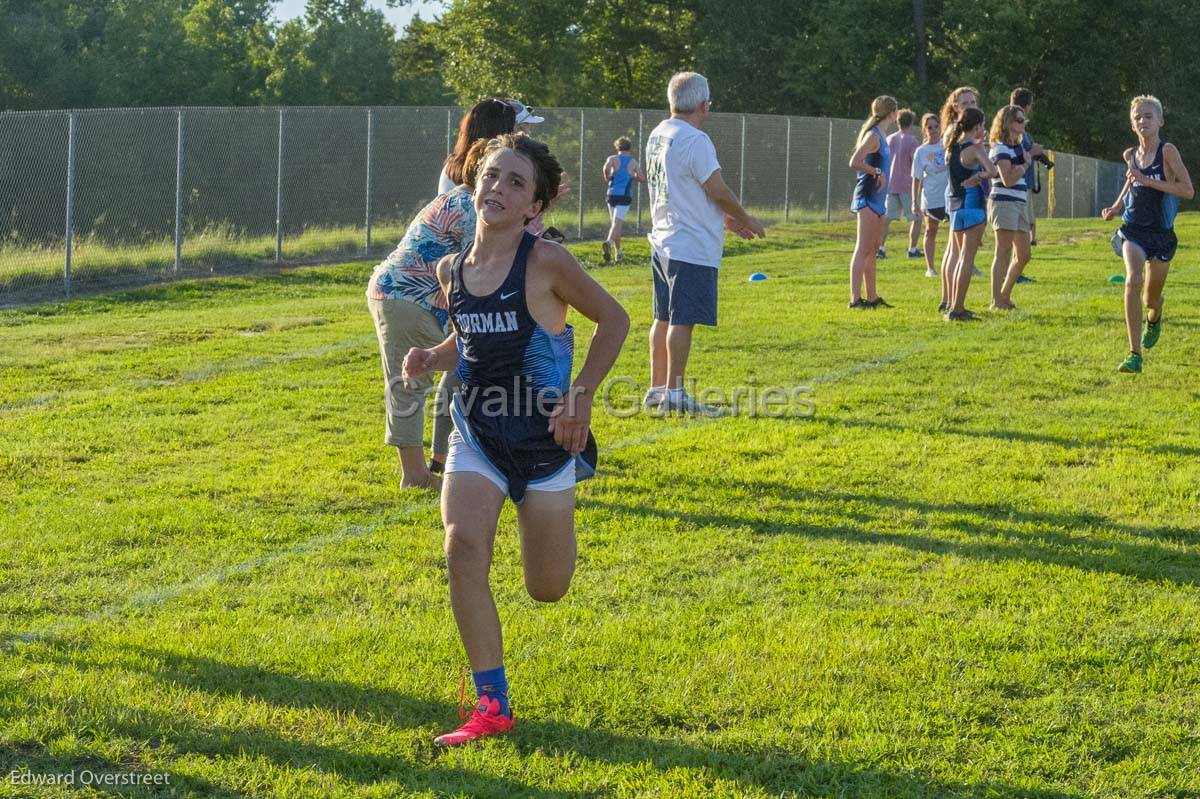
x=463 y=549
x=548 y=590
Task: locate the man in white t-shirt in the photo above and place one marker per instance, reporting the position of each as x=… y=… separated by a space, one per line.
x=690 y=207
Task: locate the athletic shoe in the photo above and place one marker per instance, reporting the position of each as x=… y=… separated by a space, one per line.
x=689 y=406
x=607 y=247
x=975 y=272
x=1150 y=334
x=487 y=720
x=1132 y=364
x=931 y=273
x=860 y=303
x=943 y=307
x=915 y=253
x=1033 y=243
x=620 y=257
x=882 y=253
x=654 y=398
x=1026 y=279
x=878 y=302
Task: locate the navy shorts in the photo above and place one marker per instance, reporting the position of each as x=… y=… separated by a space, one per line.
x=684 y=294
x=1157 y=244
x=937 y=213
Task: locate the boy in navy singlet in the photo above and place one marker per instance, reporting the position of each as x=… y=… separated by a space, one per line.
x=521 y=422
x=1155 y=181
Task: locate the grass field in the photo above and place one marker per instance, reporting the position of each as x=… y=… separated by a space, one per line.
x=972 y=572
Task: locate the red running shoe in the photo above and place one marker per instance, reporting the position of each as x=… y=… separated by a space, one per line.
x=485 y=721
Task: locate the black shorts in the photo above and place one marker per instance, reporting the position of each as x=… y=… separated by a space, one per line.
x=938 y=213
x=620 y=199
x=684 y=294
x=1155 y=243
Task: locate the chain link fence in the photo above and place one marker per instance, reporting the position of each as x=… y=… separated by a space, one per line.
x=98 y=199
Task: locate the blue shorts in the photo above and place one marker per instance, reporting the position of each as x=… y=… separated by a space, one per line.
x=684 y=293
x=1159 y=245
x=876 y=205
x=967 y=218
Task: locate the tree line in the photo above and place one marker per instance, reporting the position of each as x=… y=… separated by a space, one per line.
x=1084 y=59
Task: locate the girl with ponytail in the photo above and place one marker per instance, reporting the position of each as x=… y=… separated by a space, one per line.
x=872 y=160
x=957 y=102
x=969 y=168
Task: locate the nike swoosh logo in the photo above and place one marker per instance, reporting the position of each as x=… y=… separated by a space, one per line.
x=509 y=294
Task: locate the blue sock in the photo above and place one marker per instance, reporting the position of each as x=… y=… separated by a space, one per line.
x=493 y=684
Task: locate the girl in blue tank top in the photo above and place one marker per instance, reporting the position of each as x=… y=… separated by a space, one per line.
x=872 y=160
x=522 y=422
x=1155 y=181
x=969 y=168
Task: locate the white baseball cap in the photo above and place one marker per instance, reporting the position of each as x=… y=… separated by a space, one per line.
x=524 y=112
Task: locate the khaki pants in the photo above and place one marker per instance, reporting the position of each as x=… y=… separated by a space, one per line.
x=401 y=325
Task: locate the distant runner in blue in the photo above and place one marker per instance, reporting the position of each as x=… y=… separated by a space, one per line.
x=621 y=171
x=521 y=423
x=1155 y=181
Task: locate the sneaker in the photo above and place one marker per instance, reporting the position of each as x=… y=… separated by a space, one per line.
x=654 y=398
x=881 y=253
x=915 y=253
x=689 y=406
x=487 y=720
x=620 y=257
x=860 y=304
x=1026 y=279
x=878 y=302
x=975 y=272
x=943 y=307
x=1151 y=333
x=1033 y=243
x=931 y=273
x=607 y=247
x=1132 y=364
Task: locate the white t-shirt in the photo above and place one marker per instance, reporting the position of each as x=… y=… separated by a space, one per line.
x=686 y=225
x=445 y=184
x=929 y=167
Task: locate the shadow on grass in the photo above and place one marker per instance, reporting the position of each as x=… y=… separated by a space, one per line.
x=777 y=772
x=985 y=532
x=1005 y=435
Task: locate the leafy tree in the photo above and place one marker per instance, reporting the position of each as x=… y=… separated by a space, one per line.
x=233 y=40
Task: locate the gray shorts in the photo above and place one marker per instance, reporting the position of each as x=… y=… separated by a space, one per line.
x=684 y=293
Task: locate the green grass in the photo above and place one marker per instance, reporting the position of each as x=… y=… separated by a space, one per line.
x=973 y=572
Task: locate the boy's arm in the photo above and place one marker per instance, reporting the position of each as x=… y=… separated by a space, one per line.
x=571 y=284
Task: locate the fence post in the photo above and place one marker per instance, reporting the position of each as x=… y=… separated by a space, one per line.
x=70 y=201
x=642 y=158
x=1095 y=187
x=742 y=166
x=178 y=187
x=1074 y=164
x=829 y=174
x=279 y=193
x=370 y=131
x=787 y=167
x=579 y=188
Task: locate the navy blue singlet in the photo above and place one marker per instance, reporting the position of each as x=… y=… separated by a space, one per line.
x=513 y=373
x=1149 y=217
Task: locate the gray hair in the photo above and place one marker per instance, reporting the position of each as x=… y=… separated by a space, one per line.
x=686 y=91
